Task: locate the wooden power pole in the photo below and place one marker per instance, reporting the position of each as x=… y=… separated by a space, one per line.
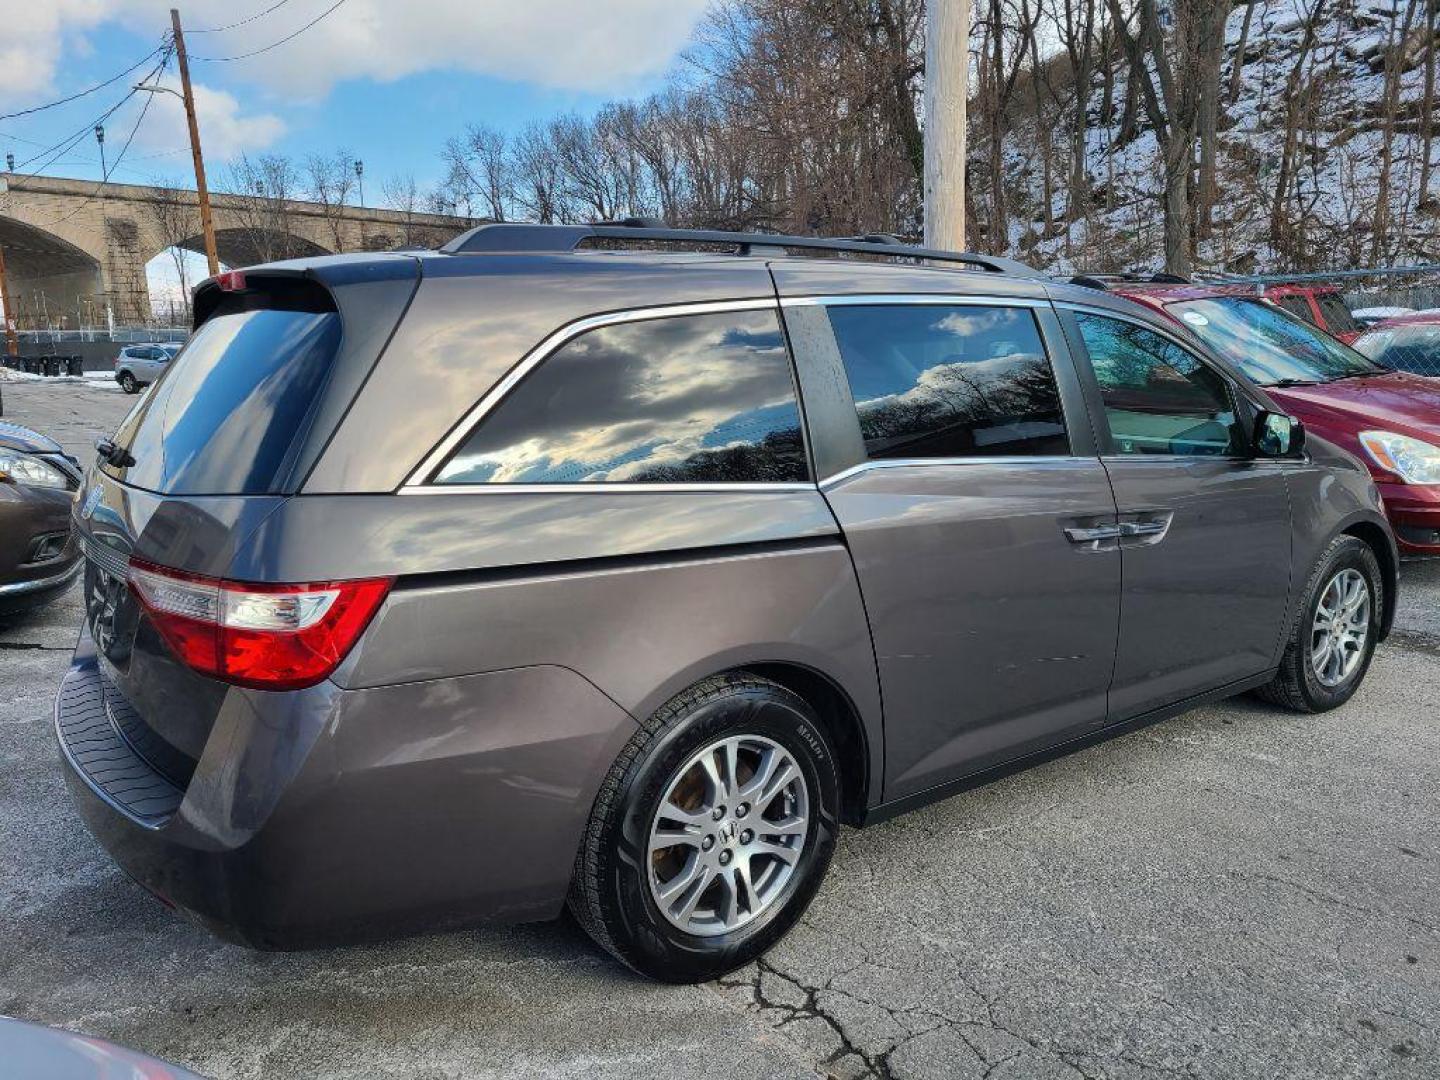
x=207 y=224
x=947 y=77
x=12 y=344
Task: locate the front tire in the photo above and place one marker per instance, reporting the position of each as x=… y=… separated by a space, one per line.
x=711 y=833
x=1335 y=632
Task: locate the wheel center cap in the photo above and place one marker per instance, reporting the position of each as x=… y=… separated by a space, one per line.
x=726 y=832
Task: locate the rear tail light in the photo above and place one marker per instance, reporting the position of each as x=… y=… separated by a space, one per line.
x=271 y=637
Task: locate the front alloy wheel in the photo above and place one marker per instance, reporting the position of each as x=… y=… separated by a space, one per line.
x=1341 y=628
x=1335 y=631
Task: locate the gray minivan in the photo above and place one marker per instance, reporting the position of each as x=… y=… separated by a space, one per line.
x=624 y=565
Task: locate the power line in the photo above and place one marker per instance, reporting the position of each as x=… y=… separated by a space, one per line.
x=105 y=177
x=58 y=150
x=242 y=22
x=274 y=45
x=89 y=90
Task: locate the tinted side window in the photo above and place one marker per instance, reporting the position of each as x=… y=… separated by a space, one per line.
x=1159 y=398
x=933 y=380
x=689 y=399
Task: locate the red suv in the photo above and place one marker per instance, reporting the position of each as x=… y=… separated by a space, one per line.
x=1318 y=305
x=1389 y=419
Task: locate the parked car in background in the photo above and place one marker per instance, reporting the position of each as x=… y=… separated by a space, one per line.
x=1319 y=305
x=1407 y=343
x=38 y=558
x=1389 y=419
x=140 y=365
x=1367 y=317
x=33 y=1052
x=605 y=636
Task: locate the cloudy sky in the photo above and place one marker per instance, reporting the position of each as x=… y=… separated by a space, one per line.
x=389 y=80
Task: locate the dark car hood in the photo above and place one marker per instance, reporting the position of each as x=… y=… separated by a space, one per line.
x=1408 y=404
x=15 y=437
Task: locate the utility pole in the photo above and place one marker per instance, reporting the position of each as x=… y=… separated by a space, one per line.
x=947 y=77
x=207 y=224
x=12 y=344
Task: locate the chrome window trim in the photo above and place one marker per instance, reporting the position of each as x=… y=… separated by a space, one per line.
x=1006 y=459
x=527 y=363
x=936 y=299
x=602 y=488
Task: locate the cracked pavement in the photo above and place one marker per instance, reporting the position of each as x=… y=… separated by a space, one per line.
x=1237 y=892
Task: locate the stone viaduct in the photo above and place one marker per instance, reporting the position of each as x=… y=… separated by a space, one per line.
x=76 y=251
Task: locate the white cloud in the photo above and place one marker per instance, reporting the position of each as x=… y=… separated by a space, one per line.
x=30 y=44
x=602 y=47
x=225 y=130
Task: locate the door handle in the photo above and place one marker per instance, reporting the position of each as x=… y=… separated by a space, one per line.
x=1092 y=534
x=1146 y=527
x=1142 y=528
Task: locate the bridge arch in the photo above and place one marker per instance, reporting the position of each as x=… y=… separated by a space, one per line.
x=52 y=282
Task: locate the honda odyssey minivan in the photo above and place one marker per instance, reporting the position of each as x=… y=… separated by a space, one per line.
x=428 y=588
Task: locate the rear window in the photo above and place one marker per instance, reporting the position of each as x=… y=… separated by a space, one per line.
x=231 y=409
x=1338 y=319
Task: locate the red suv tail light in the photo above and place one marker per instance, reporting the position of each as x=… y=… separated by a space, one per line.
x=271 y=637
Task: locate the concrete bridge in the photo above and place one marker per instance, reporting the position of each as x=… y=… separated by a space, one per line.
x=76 y=252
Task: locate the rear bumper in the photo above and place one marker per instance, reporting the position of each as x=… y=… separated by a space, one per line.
x=1414 y=513
x=325 y=816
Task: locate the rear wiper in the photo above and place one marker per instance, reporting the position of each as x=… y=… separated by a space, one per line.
x=114 y=455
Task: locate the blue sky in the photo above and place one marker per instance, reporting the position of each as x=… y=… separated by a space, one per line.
x=389 y=80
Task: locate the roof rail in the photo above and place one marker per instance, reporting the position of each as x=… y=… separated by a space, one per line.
x=532 y=239
x=1125 y=277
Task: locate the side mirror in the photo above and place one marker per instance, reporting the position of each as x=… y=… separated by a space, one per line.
x=1278 y=435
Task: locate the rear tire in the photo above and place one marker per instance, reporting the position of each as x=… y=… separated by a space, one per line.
x=128 y=383
x=1325 y=662
x=707 y=884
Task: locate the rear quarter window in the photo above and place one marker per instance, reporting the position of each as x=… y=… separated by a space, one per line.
x=233 y=403
x=705 y=398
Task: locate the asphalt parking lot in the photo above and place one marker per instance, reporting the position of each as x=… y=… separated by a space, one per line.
x=1237 y=892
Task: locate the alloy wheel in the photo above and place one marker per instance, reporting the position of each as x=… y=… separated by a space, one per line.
x=728 y=834
x=1341 y=628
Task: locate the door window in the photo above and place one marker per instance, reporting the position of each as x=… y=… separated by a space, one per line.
x=689 y=399
x=947 y=381
x=1159 y=398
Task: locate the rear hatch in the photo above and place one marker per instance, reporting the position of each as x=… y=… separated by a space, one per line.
x=220 y=441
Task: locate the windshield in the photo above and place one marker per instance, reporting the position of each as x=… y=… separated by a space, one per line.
x=1269 y=345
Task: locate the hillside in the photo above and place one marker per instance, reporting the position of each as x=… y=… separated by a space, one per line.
x=1329 y=212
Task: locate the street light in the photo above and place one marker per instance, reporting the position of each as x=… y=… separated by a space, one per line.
x=360 y=178
x=100 y=138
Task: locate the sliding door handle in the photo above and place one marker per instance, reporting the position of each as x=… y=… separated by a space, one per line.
x=1091 y=534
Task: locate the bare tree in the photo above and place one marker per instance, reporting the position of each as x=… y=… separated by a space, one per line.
x=330 y=180
x=265 y=188
x=176 y=217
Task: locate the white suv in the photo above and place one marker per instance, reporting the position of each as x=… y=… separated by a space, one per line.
x=138 y=365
